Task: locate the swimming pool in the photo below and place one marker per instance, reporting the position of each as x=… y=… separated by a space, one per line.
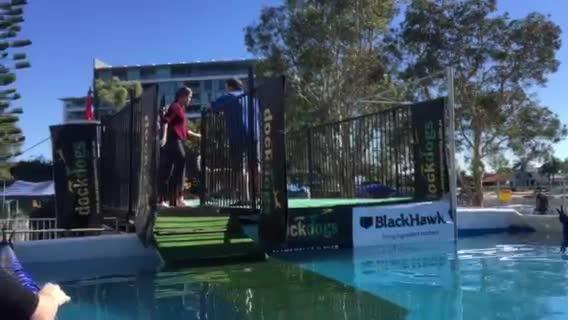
x=490 y=277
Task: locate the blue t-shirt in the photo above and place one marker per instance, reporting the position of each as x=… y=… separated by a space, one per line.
x=235 y=120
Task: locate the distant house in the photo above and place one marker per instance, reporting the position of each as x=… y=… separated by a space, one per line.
x=494 y=179
x=528 y=178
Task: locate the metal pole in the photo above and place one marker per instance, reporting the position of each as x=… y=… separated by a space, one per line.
x=251 y=152
x=130 y=156
x=563 y=190
x=310 y=164
x=4 y=196
x=203 y=159
x=452 y=149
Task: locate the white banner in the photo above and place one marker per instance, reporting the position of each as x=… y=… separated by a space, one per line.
x=407 y=223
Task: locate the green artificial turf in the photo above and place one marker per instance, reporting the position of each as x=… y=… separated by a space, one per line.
x=320 y=203
x=188 y=239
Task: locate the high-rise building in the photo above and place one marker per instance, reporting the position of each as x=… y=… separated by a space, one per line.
x=74 y=109
x=206 y=80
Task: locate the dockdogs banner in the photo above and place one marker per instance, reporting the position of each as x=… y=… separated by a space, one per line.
x=273 y=217
x=430 y=178
x=75 y=172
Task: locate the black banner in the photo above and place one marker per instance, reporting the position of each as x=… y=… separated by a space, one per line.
x=320 y=228
x=274 y=199
x=145 y=150
x=76 y=174
x=429 y=174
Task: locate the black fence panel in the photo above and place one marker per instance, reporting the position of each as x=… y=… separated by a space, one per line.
x=229 y=157
x=145 y=161
x=370 y=156
x=129 y=156
x=398 y=152
x=115 y=163
x=229 y=154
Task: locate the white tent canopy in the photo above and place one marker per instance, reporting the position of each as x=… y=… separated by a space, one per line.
x=29 y=189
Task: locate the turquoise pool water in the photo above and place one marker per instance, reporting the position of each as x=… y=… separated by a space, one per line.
x=490 y=277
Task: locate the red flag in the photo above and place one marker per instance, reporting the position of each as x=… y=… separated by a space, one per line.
x=89 y=106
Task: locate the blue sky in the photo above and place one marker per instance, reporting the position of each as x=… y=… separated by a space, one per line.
x=68 y=34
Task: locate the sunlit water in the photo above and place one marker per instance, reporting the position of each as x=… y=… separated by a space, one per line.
x=497 y=277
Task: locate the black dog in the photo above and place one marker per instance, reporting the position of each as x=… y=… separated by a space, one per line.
x=564 y=220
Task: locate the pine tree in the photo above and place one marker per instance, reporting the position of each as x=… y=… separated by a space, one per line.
x=11 y=59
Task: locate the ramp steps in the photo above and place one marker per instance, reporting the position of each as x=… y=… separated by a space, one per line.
x=197 y=235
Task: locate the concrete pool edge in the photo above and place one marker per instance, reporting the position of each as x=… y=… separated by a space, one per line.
x=84 y=248
x=470 y=222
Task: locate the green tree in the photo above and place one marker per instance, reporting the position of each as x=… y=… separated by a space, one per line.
x=330 y=52
x=551 y=168
x=564 y=166
x=498 y=60
x=499 y=163
x=12 y=59
x=35 y=170
x=114 y=93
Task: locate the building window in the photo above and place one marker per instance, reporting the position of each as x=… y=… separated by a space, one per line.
x=208 y=85
x=193 y=84
x=179 y=71
x=120 y=74
x=194 y=108
x=75 y=115
x=147 y=73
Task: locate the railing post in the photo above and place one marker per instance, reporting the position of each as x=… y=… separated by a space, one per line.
x=451 y=149
x=396 y=153
x=203 y=159
x=130 y=154
x=252 y=157
x=310 y=163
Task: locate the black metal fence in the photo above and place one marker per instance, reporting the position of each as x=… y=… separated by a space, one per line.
x=129 y=154
x=115 y=163
x=370 y=156
x=229 y=154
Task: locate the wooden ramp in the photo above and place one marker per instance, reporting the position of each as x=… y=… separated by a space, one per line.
x=197 y=236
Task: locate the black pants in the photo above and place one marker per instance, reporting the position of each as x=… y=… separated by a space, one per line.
x=173 y=170
x=164 y=173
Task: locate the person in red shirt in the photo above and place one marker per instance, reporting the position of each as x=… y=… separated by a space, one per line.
x=176 y=133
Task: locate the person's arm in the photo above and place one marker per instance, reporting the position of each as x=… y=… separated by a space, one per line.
x=562 y=215
x=50 y=298
x=18 y=302
x=193 y=134
x=164 y=138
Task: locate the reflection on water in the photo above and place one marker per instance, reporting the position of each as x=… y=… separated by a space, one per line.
x=271 y=290
x=496 y=277
x=421 y=278
x=515 y=281
x=484 y=278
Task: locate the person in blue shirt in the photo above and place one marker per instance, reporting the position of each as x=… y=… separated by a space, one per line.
x=564 y=221
x=230 y=104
